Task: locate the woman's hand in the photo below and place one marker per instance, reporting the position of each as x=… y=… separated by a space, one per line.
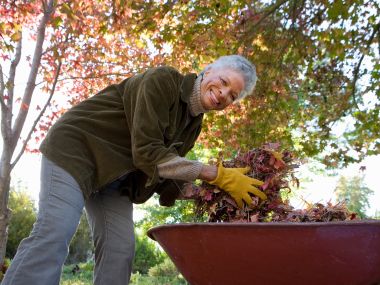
x=237 y=184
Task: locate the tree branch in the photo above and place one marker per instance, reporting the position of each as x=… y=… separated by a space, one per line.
x=39 y=116
x=357 y=67
x=4 y=108
x=96 y=76
x=2 y=89
x=267 y=12
x=12 y=72
x=30 y=85
x=44 y=4
x=91 y=76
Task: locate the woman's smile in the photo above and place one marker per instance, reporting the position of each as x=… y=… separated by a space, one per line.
x=220 y=87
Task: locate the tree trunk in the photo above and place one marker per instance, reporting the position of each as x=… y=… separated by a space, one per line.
x=5 y=213
x=11 y=133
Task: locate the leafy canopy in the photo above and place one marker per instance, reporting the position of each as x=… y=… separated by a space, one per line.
x=317 y=62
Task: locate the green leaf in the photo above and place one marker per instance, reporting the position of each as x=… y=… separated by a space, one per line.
x=16 y=36
x=336 y=10
x=56 y=22
x=67 y=10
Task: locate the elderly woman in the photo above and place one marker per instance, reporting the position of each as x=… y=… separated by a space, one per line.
x=118 y=148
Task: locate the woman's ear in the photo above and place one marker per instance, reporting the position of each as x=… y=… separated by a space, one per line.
x=206 y=72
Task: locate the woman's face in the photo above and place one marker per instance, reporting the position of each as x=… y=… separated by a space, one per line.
x=220 y=87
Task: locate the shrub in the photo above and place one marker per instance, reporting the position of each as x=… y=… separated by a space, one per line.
x=22 y=219
x=81 y=246
x=147 y=255
x=165 y=268
x=4 y=268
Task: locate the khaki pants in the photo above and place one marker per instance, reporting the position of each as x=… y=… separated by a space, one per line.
x=40 y=257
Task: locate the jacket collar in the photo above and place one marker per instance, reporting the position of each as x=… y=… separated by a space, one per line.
x=187 y=86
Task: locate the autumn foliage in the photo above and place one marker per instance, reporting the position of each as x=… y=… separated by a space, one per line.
x=277 y=171
x=317 y=62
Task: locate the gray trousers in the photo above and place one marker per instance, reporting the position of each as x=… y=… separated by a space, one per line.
x=40 y=257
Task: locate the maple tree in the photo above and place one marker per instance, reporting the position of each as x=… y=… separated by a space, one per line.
x=310 y=57
x=79 y=47
x=317 y=61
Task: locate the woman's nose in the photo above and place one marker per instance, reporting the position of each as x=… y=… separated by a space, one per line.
x=223 y=93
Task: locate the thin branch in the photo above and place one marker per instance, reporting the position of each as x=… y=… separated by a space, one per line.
x=357 y=67
x=30 y=85
x=90 y=77
x=267 y=13
x=2 y=89
x=12 y=72
x=247 y=33
x=6 y=107
x=6 y=43
x=39 y=116
x=96 y=76
x=43 y=6
x=4 y=110
x=49 y=49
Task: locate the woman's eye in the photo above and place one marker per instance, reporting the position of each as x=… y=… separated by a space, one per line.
x=224 y=82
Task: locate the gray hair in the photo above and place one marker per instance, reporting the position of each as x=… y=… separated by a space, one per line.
x=240 y=64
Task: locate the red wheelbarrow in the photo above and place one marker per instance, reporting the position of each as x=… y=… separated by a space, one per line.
x=331 y=253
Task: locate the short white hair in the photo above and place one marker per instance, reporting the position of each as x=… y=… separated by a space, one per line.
x=240 y=64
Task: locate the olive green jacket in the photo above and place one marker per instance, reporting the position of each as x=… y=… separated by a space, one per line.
x=125 y=131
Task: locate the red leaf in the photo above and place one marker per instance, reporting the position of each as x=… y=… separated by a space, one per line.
x=24 y=106
x=279 y=164
x=208 y=196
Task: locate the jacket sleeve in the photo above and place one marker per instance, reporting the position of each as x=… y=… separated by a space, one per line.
x=157 y=93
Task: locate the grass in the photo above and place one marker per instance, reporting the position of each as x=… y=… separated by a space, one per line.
x=84 y=277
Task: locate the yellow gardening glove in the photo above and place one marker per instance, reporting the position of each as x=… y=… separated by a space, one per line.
x=237 y=184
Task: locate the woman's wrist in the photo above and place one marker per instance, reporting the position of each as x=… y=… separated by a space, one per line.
x=208 y=172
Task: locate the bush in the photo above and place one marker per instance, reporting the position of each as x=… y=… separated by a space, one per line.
x=22 y=219
x=147 y=255
x=4 y=268
x=165 y=268
x=84 y=276
x=81 y=247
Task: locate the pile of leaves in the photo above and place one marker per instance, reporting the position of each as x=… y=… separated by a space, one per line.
x=277 y=170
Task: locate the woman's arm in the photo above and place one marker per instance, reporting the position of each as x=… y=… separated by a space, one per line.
x=208 y=172
x=181 y=168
